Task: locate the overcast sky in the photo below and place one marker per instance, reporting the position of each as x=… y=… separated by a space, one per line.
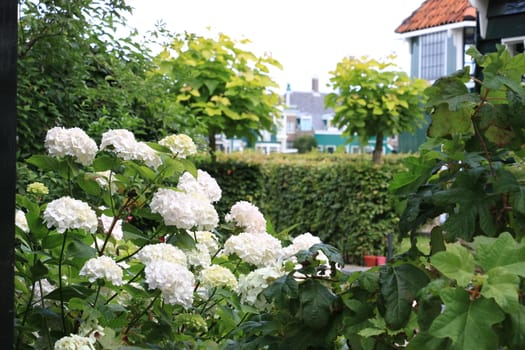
x=307 y=37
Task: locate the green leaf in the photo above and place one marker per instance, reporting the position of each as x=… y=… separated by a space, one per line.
x=182 y=240
x=70 y=292
x=423 y=340
x=468 y=323
x=142 y=170
x=88 y=183
x=38 y=270
x=399 y=287
x=503 y=287
x=498 y=252
x=105 y=162
x=316 y=304
x=282 y=290
x=43 y=162
x=456 y=263
x=331 y=252
x=52 y=241
x=446 y=123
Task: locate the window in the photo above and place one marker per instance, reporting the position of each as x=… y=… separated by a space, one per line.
x=290 y=127
x=306 y=123
x=468 y=41
x=515 y=46
x=432 y=55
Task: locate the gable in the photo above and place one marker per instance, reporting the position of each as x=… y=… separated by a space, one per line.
x=434 y=13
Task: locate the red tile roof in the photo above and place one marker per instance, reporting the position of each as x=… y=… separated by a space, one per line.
x=433 y=13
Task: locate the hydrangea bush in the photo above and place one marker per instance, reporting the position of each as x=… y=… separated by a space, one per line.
x=135 y=256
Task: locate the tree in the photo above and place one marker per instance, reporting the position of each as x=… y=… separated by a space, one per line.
x=305 y=143
x=220 y=87
x=375 y=98
x=74 y=70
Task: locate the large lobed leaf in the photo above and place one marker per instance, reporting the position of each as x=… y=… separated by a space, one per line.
x=468 y=323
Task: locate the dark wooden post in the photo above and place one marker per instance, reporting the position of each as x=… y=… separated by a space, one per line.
x=8 y=59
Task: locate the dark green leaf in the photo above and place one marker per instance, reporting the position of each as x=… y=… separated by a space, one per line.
x=399 y=287
x=316 y=304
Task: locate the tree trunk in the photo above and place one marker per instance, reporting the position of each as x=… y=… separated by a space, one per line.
x=212 y=145
x=378 y=150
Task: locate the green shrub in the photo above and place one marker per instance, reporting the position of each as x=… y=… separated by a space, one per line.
x=341 y=198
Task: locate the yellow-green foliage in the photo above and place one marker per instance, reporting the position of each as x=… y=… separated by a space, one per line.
x=341 y=198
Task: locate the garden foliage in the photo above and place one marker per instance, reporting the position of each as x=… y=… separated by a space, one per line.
x=131 y=254
x=342 y=199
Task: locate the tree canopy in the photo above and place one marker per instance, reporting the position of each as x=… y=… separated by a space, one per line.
x=220 y=87
x=375 y=98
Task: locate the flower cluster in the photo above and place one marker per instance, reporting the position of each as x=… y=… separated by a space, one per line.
x=217 y=276
x=21 y=221
x=37 y=188
x=162 y=252
x=301 y=242
x=180 y=145
x=184 y=210
x=73 y=142
x=252 y=284
x=259 y=249
x=75 y=342
x=175 y=282
x=125 y=146
x=116 y=231
x=68 y=213
x=204 y=185
x=246 y=215
x=102 y=267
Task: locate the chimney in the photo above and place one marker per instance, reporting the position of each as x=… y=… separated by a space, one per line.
x=315 y=84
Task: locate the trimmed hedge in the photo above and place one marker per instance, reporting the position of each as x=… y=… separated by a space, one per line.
x=341 y=198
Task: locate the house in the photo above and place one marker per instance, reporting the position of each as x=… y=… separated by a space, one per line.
x=440 y=31
x=500 y=22
x=438 y=34
x=305 y=114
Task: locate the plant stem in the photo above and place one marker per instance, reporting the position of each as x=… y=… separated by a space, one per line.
x=136 y=318
x=62 y=308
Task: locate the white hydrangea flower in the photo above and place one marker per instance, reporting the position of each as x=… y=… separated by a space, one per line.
x=91 y=329
x=42 y=288
x=246 y=215
x=186 y=211
x=199 y=256
x=162 y=252
x=209 y=239
x=217 y=276
x=175 y=282
x=125 y=146
x=301 y=242
x=259 y=249
x=103 y=177
x=75 y=342
x=120 y=141
x=252 y=284
x=74 y=142
x=21 y=221
x=204 y=184
x=148 y=155
x=117 y=229
x=68 y=213
x=102 y=267
x=180 y=145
